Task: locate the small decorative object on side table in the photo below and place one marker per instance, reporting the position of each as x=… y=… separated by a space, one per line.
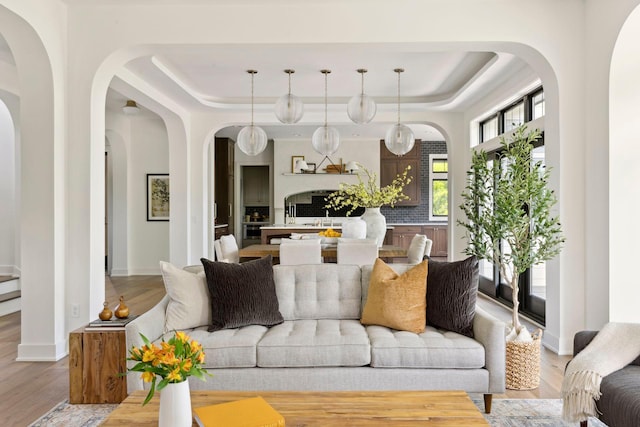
x=122 y=311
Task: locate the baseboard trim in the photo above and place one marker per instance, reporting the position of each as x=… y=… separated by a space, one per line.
x=145 y=272
x=41 y=352
x=9 y=270
x=119 y=272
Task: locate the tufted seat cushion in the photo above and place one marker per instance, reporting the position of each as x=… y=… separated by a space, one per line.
x=228 y=348
x=311 y=343
x=432 y=348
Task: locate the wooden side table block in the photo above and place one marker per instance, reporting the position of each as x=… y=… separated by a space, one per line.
x=96 y=358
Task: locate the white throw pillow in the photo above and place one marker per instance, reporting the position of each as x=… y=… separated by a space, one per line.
x=189 y=305
x=416 y=249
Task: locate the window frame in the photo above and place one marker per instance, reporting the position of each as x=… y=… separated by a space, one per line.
x=437 y=176
x=526 y=99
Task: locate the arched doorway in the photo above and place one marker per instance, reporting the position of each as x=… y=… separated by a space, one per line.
x=624 y=173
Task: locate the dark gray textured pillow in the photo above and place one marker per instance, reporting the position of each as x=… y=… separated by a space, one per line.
x=452 y=289
x=242 y=294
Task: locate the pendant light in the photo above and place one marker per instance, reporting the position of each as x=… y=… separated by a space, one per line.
x=325 y=139
x=399 y=139
x=289 y=108
x=252 y=140
x=361 y=107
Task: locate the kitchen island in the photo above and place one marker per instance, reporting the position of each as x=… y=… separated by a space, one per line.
x=278 y=231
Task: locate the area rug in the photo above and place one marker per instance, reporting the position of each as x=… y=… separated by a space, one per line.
x=504 y=413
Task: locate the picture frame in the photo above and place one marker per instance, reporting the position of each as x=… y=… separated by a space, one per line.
x=311 y=168
x=294 y=159
x=158 y=196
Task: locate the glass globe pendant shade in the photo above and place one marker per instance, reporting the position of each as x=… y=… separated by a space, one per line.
x=361 y=108
x=289 y=109
x=252 y=140
x=325 y=140
x=399 y=139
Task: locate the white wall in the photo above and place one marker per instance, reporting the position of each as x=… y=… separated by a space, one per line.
x=624 y=173
x=366 y=152
x=8 y=265
x=148 y=153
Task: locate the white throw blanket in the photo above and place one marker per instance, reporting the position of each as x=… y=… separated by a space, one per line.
x=615 y=346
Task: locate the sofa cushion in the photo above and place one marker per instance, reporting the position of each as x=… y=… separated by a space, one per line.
x=452 y=289
x=311 y=343
x=228 y=348
x=241 y=294
x=395 y=300
x=620 y=400
x=189 y=305
x=323 y=291
x=432 y=348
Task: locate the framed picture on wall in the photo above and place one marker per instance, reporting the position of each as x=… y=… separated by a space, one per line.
x=157 y=197
x=294 y=159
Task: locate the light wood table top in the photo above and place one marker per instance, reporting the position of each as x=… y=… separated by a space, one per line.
x=259 y=251
x=327 y=409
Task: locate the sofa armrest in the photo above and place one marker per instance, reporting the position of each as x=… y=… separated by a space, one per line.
x=581 y=340
x=149 y=324
x=490 y=332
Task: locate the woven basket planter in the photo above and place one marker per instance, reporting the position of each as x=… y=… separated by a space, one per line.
x=523 y=364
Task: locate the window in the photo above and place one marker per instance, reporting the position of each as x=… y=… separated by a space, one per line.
x=438 y=187
x=514 y=117
x=537 y=105
x=532 y=296
x=529 y=107
x=489 y=129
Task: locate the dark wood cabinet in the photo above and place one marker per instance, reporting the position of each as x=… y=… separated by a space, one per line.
x=224 y=181
x=438 y=234
x=392 y=165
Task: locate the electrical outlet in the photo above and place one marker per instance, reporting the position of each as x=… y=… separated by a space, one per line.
x=75 y=310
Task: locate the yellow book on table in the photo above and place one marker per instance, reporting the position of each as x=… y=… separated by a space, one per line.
x=252 y=412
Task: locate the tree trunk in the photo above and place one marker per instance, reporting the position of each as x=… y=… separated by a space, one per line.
x=516 y=303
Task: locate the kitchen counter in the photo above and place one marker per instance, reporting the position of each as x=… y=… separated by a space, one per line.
x=284 y=230
x=416 y=224
x=220 y=226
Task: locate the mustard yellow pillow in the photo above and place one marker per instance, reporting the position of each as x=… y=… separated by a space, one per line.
x=397 y=301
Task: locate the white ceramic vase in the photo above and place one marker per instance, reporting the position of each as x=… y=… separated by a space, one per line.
x=175 y=405
x=376 y=224
x=354 y=228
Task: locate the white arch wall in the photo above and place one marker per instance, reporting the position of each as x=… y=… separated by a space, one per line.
x=624 y=193
x=118 y=201
x=8 y=224
x=562 y=34
x=40 y=62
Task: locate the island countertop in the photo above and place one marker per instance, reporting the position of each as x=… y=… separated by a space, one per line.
x=284 y=230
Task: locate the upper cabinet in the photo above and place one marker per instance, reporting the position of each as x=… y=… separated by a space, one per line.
x=392 y=165
x=255 y=185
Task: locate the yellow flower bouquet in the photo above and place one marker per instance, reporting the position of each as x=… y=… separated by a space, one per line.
x=174 y=361
x=369 y=194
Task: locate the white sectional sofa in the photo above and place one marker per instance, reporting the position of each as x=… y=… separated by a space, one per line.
x=321 y=345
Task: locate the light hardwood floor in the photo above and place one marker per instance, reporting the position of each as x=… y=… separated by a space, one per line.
x=29 y=389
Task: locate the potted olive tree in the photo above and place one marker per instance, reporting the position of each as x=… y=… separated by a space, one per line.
x=509 y=222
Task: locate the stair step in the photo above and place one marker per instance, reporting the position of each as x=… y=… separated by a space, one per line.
x=9 y=296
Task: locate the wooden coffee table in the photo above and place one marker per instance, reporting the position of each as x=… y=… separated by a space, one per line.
x=369 y=408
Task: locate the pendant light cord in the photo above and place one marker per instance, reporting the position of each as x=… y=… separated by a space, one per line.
x=325 y=100
x=325 y=72
x=252 y=98
x=398 y=71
